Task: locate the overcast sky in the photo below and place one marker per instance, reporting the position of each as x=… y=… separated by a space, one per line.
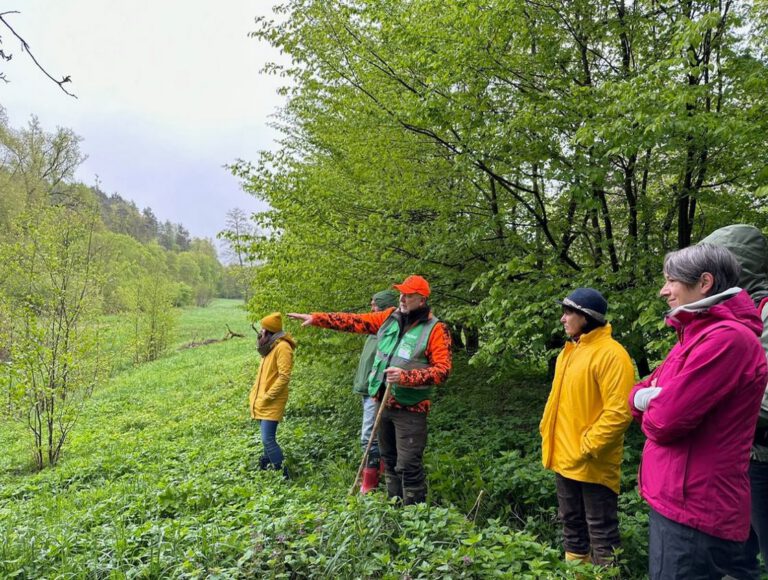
x=168 y=92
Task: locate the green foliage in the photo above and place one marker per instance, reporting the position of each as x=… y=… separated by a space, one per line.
x=49 y=302
x=371 y=539
x=36 y=165
x=161 y=479
x=150 y=307
x=197 y=324
x=507 y=151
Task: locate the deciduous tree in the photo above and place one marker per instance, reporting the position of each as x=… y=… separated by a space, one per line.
x=508 y=151
x=50 y=300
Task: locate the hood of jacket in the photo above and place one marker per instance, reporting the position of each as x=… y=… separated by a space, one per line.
x=734 y=305
x=750 y=247
x=265 y=346
x=288 y=338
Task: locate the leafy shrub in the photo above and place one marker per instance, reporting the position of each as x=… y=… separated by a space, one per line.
x=370 y=539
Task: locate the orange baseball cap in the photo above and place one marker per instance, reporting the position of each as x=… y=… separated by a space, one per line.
x=414 y=285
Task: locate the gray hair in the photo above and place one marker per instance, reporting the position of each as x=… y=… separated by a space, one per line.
x=687 y=266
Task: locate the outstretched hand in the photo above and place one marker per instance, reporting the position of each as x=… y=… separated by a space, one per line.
x=305 y=318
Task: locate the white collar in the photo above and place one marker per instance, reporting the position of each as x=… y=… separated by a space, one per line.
x=704 y=303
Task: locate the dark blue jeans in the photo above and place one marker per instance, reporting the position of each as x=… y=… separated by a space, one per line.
x=758 y=534
x=680 y=552
x=268 y=439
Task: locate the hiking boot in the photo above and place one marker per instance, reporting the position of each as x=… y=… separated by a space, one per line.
x=394 y=485
x=571 y=557
x=414 y=495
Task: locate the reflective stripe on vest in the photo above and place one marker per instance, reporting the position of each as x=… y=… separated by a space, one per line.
x=407 y=353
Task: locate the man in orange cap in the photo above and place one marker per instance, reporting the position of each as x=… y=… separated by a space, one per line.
x=414 y=354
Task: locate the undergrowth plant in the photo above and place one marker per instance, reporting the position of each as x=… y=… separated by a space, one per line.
x=161 y=480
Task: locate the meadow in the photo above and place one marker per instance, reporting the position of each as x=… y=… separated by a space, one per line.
x=160 y=478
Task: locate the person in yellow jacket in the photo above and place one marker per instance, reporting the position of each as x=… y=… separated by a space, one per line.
x=270 y=391
x=582 y=430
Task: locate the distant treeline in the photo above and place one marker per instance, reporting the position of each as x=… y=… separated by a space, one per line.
x=37 y=169
x=123 y=217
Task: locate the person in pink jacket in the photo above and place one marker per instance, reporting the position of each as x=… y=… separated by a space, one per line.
x=698 y=411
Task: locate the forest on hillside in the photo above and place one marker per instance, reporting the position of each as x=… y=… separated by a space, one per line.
x=37 y=170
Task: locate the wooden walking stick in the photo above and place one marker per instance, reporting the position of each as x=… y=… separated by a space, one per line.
x=382 y=404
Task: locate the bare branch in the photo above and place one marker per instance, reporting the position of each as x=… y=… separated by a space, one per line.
x=25 y=48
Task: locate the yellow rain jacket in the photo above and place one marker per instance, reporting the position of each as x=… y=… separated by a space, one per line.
x=582 y=430
x=270 y=391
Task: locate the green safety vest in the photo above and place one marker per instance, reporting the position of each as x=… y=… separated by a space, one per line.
x=406 y=352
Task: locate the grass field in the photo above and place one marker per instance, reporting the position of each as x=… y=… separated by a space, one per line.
x=151 y=435
x=160 y=479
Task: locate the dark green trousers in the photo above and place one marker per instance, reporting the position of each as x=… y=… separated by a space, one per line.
x=402 y=439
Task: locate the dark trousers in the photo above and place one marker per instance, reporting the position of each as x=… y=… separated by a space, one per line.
x=402 y=439
x=758 y=533
x=589 y=514
x=678 y=551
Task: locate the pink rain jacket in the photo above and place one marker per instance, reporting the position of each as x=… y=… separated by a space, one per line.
x=701 y=425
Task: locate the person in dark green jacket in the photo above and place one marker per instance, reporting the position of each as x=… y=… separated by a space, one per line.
x=750 y=247
x=380 y=301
